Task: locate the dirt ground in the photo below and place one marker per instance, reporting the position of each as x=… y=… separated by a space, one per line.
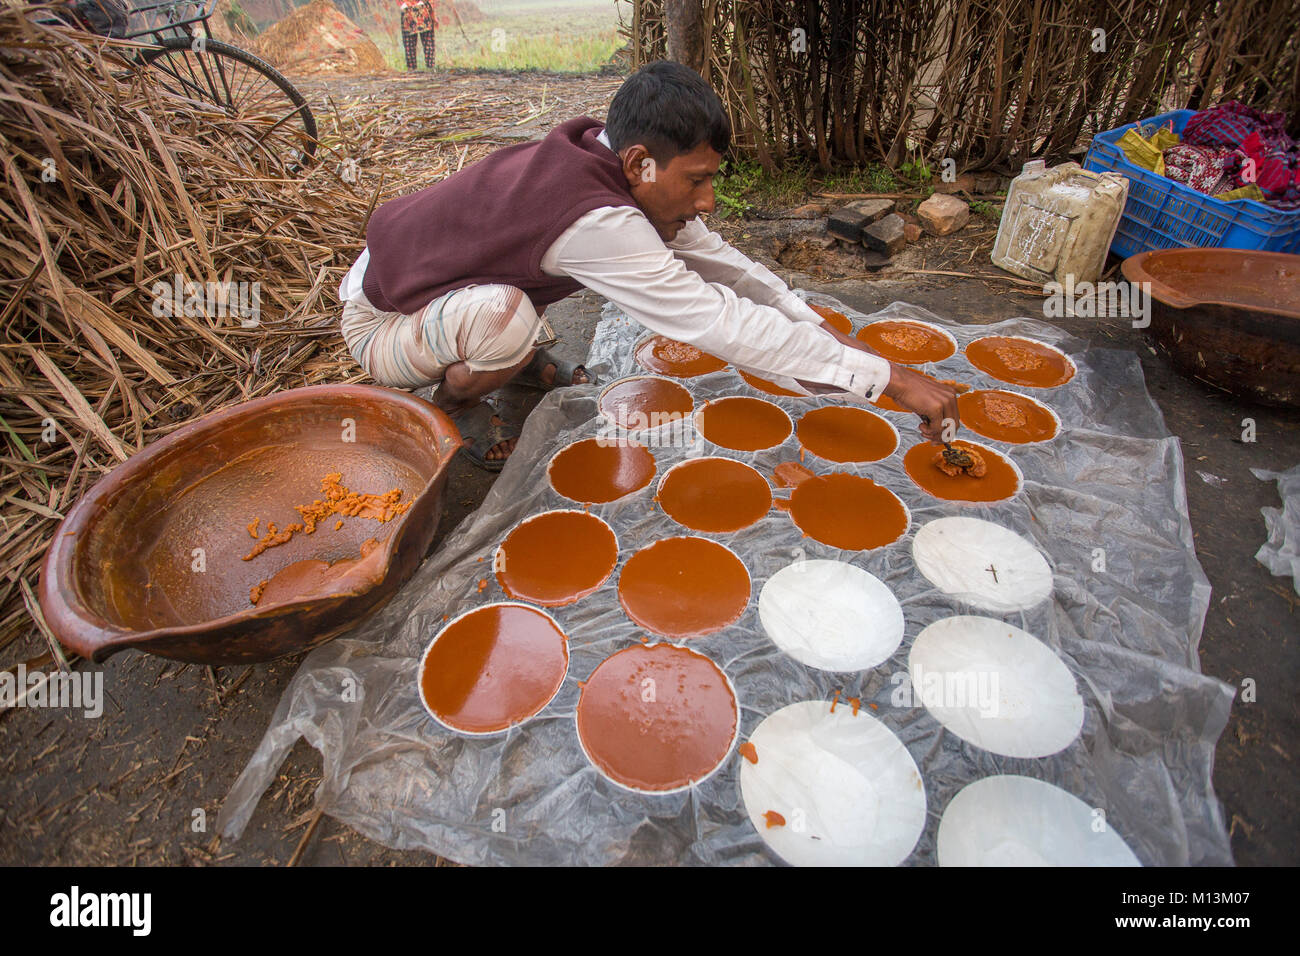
x=143 y=783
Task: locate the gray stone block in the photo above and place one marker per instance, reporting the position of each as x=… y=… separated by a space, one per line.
x=885 y=236
x=846 y=223
x=873 y=209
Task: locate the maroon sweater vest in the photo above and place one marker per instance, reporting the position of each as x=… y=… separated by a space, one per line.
x=492 y=222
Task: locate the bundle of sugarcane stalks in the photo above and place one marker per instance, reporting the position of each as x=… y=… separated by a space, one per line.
x=123 y=210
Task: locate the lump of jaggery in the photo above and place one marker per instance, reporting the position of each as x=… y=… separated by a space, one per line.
x=906 y=339
x=976 y=468
x=679 y=352
x=1018 y=359
x=1004 y=413
x=272 y=539
x=341 y=501
x=338 y=500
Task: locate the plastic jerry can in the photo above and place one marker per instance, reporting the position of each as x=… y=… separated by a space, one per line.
x=1059 y=222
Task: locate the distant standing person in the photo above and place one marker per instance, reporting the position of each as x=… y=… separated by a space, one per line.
x=418 y=20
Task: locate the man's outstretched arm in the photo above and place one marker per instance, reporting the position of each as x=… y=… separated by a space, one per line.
x=713 y=259
x=617 y=253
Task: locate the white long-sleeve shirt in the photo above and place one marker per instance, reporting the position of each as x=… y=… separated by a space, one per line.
x=699 y=290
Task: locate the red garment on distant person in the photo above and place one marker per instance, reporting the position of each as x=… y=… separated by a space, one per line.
x=418 y=15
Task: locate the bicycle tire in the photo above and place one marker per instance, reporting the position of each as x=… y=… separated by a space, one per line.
x=207 y=47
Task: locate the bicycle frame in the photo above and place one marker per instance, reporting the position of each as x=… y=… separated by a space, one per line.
x=169 y=18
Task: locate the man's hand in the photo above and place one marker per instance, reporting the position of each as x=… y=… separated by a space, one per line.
x=918 y=393
x=934 y=402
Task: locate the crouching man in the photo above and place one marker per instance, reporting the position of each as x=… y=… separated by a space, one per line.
x=454 y=277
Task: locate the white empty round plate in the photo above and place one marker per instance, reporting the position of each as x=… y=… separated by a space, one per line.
x=845 y=786
x=995 y=686
x=982 y=563
x=1019 y=821
x=831 y=615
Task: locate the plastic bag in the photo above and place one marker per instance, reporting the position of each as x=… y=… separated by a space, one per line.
x=1113 y=480
x=1281 y=552
x=1146 y=149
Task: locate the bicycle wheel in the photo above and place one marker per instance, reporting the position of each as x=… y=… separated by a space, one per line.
x=271 y=119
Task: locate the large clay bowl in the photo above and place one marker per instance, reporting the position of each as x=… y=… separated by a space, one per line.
x=122 y=569
x=1227 y=317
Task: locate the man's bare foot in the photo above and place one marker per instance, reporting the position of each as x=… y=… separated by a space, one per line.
x=548 y=376
x=497 y=452
x=481 y=426
x=502 y=449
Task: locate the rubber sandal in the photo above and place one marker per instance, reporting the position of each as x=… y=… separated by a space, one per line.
x=481 y=433
x=531 y=375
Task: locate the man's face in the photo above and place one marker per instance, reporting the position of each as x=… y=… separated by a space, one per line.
x=672 y=193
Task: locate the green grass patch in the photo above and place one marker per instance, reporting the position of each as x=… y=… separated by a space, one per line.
x=741 y=184
x=735 y=181
x=989 y=210
x=872 y=178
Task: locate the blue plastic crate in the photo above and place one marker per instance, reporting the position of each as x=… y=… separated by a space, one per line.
x=1164 y=214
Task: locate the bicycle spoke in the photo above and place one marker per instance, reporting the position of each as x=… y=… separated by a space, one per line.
x=168 y=64
x=261 y=117
x=220 y=68
x=256 y=82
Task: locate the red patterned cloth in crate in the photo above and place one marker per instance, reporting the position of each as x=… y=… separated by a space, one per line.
x=1199 y=167
x=1227 y=124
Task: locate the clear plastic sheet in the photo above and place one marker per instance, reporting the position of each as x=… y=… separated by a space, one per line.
x=1113 y=480
x=1281 y=552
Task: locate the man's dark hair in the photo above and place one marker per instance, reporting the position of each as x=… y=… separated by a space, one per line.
x=669 y=109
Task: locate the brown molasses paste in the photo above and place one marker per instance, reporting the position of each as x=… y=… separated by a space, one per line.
x=836 y=320
x=666 y=356
x=763 y=385
x=494 y=667
x=1020 y=361
x=842 y=510
x=684 y=587
x=645 y=402
x=998 y=482
x=657 y=718
x=312 y=578
x=743 y=424
x=556 y=558
x=790 y=474
x=1006 y=416
x=909 y=343
x=715 y=495
x=596 y=470
x=843 y=433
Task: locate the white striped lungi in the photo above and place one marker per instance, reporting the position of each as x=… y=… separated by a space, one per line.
x=488 y=327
